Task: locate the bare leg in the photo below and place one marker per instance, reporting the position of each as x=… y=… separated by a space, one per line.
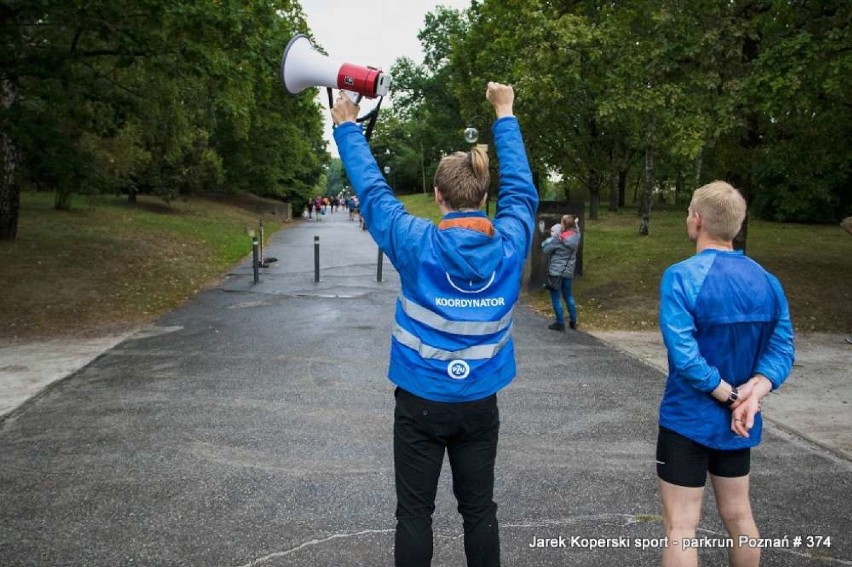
x=681 y=514
x=734 y=507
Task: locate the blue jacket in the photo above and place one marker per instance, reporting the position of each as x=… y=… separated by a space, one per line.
x=722 y=316
x=452 y=337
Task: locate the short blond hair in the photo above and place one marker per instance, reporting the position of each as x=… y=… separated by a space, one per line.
x=722 y=209
x=568 y=222
x=462 y=178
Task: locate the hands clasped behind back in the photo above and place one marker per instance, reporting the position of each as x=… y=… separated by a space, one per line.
x=748 y=404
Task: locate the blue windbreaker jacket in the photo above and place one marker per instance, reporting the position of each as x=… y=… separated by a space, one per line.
x=452 y=337
x=722 y=316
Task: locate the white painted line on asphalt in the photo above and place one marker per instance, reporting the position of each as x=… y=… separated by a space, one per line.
x=314 y=542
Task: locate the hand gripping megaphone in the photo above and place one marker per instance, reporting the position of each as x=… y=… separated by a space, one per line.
x=302 y=66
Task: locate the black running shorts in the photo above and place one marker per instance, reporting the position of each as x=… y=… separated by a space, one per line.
x=684 y=462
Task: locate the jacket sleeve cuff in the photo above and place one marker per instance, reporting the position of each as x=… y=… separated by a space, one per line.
x=501 y=121
x=771 y=375
x=713 y=382
x=344 y=129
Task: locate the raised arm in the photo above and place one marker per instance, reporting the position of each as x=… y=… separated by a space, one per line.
x=397 y=232
x=518 y=198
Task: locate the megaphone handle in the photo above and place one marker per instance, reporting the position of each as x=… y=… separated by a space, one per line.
x=353 y=96
x=372 y=116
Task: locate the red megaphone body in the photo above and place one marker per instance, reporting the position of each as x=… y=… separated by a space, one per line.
x=302 y=66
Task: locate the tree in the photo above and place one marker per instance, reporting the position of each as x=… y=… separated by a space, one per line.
x=161 y=97
x=710 y=89
x=334 y=179
x=425 y=121
x=800 y=85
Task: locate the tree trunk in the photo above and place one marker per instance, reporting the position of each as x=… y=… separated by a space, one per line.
x=637 y=201
x=564 y=184
x=594 y=204
x=62 y=198
x=613 y=192
x=616 y=193
x=10 y=189
x=750 y=141
x=699 y=163
x=594 y=194
x=679 y=184
x=742 y=236
x=622 y=188
x=423 y=167
x=739 y=182
x=645 y=203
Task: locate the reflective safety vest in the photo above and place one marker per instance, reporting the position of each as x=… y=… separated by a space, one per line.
x=452 y=335
x=452 y=339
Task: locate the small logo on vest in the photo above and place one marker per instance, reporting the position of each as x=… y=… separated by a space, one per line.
x=458 y=369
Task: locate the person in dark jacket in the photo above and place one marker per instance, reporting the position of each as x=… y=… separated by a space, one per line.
x=451 y=347
x=561 y=252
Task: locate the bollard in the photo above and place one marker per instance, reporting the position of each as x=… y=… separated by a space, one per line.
x=261 y=243
x=254 y=263
x=379 y=266
x=316 y=259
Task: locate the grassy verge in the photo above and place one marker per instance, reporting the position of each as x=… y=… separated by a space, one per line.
x=620 y=286
x=107 y=265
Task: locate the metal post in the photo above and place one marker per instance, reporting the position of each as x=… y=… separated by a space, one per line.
x=254 y=263
x=379 y=266
x=316 y=259
x=261 y=242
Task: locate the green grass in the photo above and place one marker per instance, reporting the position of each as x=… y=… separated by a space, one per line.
x=422 y=206
x=106 y=265
x=622 y=270
x=109 y=265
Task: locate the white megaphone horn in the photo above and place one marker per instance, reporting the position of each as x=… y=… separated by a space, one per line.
x=302 y=66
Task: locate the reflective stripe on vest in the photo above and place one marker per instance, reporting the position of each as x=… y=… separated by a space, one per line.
x=468 y=328
x=478 y=352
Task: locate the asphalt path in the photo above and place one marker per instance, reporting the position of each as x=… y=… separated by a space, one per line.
x=253 y=425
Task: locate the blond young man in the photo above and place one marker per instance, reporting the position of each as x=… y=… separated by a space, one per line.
x=726 y=326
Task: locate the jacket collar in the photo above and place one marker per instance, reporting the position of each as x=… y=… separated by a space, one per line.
x=472 y=220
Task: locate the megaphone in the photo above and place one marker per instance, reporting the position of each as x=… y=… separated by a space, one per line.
x=302 y=66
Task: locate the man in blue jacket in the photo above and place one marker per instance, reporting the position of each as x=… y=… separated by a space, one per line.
x=451 y=348
x=727 y=329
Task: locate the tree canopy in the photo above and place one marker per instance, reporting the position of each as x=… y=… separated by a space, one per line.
x=676 y=93
x=155 y=96
x=176 y=97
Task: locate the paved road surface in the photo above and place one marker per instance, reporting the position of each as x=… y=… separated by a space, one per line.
x=253 y=427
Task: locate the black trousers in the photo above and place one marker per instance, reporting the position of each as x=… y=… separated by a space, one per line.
x=468 y=431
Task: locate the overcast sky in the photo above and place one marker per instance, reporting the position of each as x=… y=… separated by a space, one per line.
x=369 y=32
